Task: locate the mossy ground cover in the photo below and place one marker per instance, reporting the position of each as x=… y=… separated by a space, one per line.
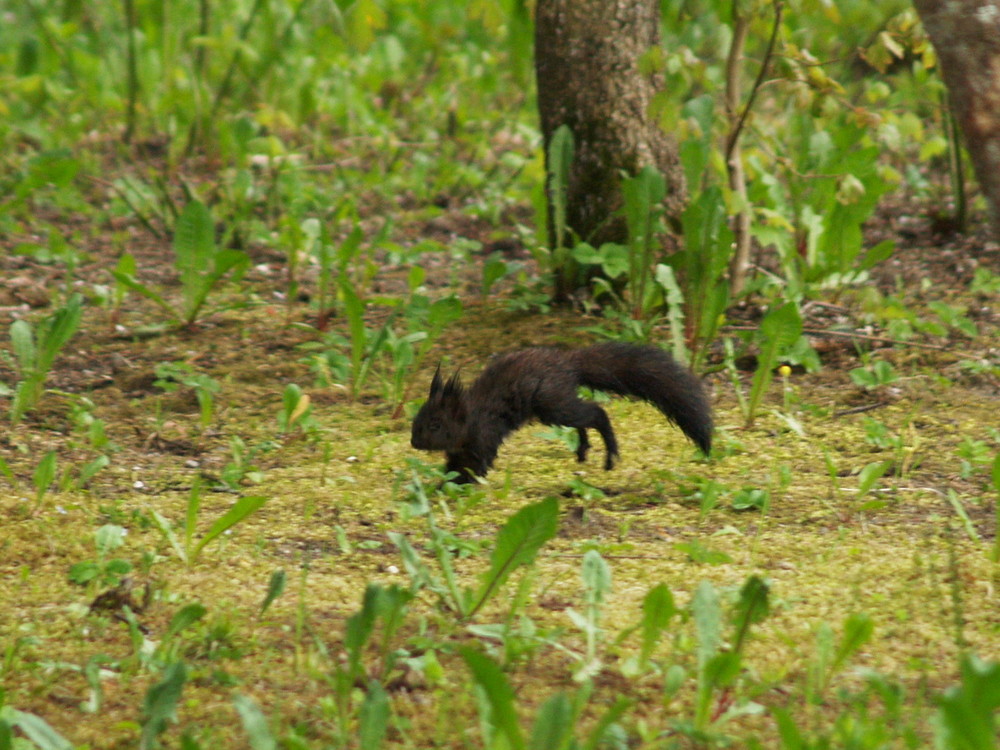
x=825 y=579
x=901 y=554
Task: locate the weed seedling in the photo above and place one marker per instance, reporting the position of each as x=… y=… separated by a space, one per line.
x=103 y=571
x=35 y=351
x=186 y=549
x=44 y=476
x=596 y=575
x=874 y=375
x=171 y=374
x=779 y=330
x=296 y=411
x=202 y=265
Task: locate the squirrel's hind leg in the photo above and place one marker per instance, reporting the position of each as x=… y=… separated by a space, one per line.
x=582 y=444
x=584 y=415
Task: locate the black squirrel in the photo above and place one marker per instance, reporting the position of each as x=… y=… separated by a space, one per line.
x=541 y=383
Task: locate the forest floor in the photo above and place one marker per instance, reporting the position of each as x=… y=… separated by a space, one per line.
x=912 y=552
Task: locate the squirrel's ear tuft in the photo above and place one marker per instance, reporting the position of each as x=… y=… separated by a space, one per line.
x=436 y=383
x=454 y=385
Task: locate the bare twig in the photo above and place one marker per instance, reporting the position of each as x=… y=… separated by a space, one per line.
x=734 y=158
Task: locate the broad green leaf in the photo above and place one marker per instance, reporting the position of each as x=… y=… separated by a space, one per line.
x=240 y=510
x=858 y=629
x=779 y=329
x=84 y=572
x=275 y=588
x=642 y=196
x=443 y=311
x=36 y=729
x=194 y=243
x=657 y=609
x=517 y=543
x=23 y=342
x=254 y=723
x=881 y=252
x=160 y=706
x=197 y=288
x=90 y=470
x=373 y=717
x=968 y=711
x=129 y=281
x=57 y=330
x=109 y=537
x=707 y=621
x=870 y=474
x=788 y=730
x=364 y=19
x=186 y=617
x=554 y=724
x=560 y=155
x=751 y=608
x=667 y=280
x=499 y=695
x=596 y=574
x=45 y=474
x=610 y=716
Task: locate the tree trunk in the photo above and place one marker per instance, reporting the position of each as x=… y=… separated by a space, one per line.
x=587 y=55
x=966 y=37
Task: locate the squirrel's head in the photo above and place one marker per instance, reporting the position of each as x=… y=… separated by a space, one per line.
x=440 y=424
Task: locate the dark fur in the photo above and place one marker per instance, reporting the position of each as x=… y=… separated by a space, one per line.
x=469 y=425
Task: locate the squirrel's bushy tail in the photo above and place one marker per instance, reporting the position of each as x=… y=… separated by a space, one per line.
x=651 y=374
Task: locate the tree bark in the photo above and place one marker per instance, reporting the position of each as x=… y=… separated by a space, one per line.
x=966 y=37
x=587 y=64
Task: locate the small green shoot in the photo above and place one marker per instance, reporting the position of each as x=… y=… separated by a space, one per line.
x=779 y=330
x=995 y=476
x=963 y=515
x=874 y=375
x=517 y=544
x=187 y=550
x=868 y=478
x=830 y=659
x=560 y=159
x=106 y=572
x=596 y=575
x=296 y=410
x=968 y=711
x=35 y=350
x=160 y=707
x=275 y=588
x=171 y=374
x=658 y=609
x=254 y=723
x=44 y=476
